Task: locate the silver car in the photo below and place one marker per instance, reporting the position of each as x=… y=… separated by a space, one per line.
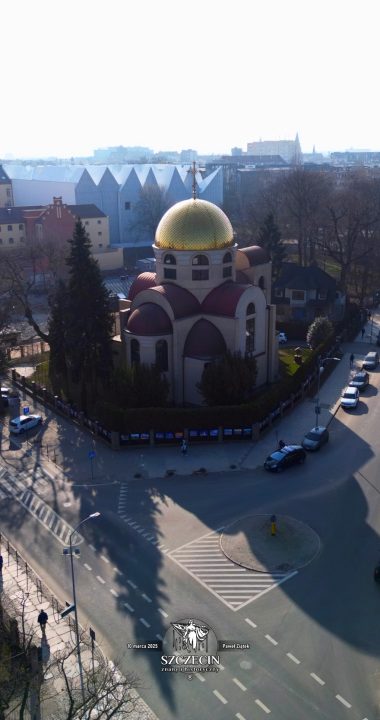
x=24 y=422
x=350 y=398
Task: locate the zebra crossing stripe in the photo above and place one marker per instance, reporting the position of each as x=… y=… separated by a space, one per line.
x=234 y=585
x=21 y=490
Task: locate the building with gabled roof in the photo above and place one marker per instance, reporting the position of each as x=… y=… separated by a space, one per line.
x=114 y=189
x=6 y=193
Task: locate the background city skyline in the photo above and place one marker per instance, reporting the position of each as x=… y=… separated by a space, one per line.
x=171 y=76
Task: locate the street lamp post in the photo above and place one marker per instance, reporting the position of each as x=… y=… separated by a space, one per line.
x=93 y=515
x=320 y=370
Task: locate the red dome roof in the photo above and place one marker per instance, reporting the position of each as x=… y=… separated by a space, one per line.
x=142 y=282
x=223 y=299
x=204 y=341
x=255 y=255
x=182 y=301
x=149 y=319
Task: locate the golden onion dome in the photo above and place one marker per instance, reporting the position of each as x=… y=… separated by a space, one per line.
x=194 y=225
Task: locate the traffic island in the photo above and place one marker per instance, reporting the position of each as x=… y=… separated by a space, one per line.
x=268 y=543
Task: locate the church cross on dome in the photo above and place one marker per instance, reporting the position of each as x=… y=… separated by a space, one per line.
x=193 y=171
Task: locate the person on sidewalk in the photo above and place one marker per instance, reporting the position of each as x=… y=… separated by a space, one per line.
x=363 y=331
x=42 y=620
x=352 y=358
x=1 y=564
x=184 y=447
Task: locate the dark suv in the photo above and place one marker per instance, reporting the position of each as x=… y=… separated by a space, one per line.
x=284 y=457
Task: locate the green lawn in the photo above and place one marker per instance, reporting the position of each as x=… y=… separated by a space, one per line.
x=288 y=365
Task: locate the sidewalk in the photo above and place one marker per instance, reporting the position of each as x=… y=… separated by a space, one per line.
x=28 y=596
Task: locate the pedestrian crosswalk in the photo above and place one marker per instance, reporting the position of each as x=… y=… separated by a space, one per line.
x=233 y=584
x=20 y=488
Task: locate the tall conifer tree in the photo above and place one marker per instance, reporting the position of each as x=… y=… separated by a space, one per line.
x=89 y=321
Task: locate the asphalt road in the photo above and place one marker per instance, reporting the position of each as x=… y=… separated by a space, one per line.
x=314 y=638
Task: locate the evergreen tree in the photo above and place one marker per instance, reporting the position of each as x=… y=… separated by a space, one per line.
x=89 y=322
x=270 y=239
x=57 y=326
x=228 y=381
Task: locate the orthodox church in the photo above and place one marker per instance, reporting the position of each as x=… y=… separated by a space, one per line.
x=206 y=297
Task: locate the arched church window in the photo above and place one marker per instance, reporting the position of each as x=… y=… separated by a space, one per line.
x=250 y=328
x=135 y=352
x=262 y=282
x=162 y=355
x=170 y=260
x=227 y=269
x=200 y=260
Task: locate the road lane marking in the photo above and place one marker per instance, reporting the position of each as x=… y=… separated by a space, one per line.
x=129 y=607
x=317 y=679
x=262 y=706
x=240 y=717
x=293 y=658
x=343 y=701
x=132 y=584
x=159 y=637
x=239 y=684
x=92 y=548
x=88 y=567
x=163 y=613
x=117 y=571
x=103 y=557
x=114 y=593
x=199 y=676
x=220 y=697
x=100 y=579
x=247 y=620
x=146 y=597
x=271 y=640
x=144 y=622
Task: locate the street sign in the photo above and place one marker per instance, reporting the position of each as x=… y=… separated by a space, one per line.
x=26 y=411
x=91 y=454
x=68 y=610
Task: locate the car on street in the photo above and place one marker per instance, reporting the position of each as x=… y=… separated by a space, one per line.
x=282 y=338
x=315 y=438
x=285 y=457
x=22 y=423
x=370 y=361
x=349 y=398
x=5 y=390
x=360 y=380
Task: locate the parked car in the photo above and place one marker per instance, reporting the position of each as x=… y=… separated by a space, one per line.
x=22 y=423
x=282 y=338
x=350 y=398
x=5 y=390
x=370 y=361
x=285 y=457
x=315 y=438
x=360 y=380
x=5 y=399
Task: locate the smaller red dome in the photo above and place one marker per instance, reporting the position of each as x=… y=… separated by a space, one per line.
x=149 y=319
x=142 y=282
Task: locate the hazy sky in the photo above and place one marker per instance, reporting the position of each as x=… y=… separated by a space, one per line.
x=205 y=74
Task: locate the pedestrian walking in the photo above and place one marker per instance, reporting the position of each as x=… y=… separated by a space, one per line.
x=363 y=331
x=42 y=620
x=352 y=358
x=1 y=564
x=184 y=447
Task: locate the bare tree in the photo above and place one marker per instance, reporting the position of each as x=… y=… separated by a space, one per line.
x=107 y=692
x=148 y=211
